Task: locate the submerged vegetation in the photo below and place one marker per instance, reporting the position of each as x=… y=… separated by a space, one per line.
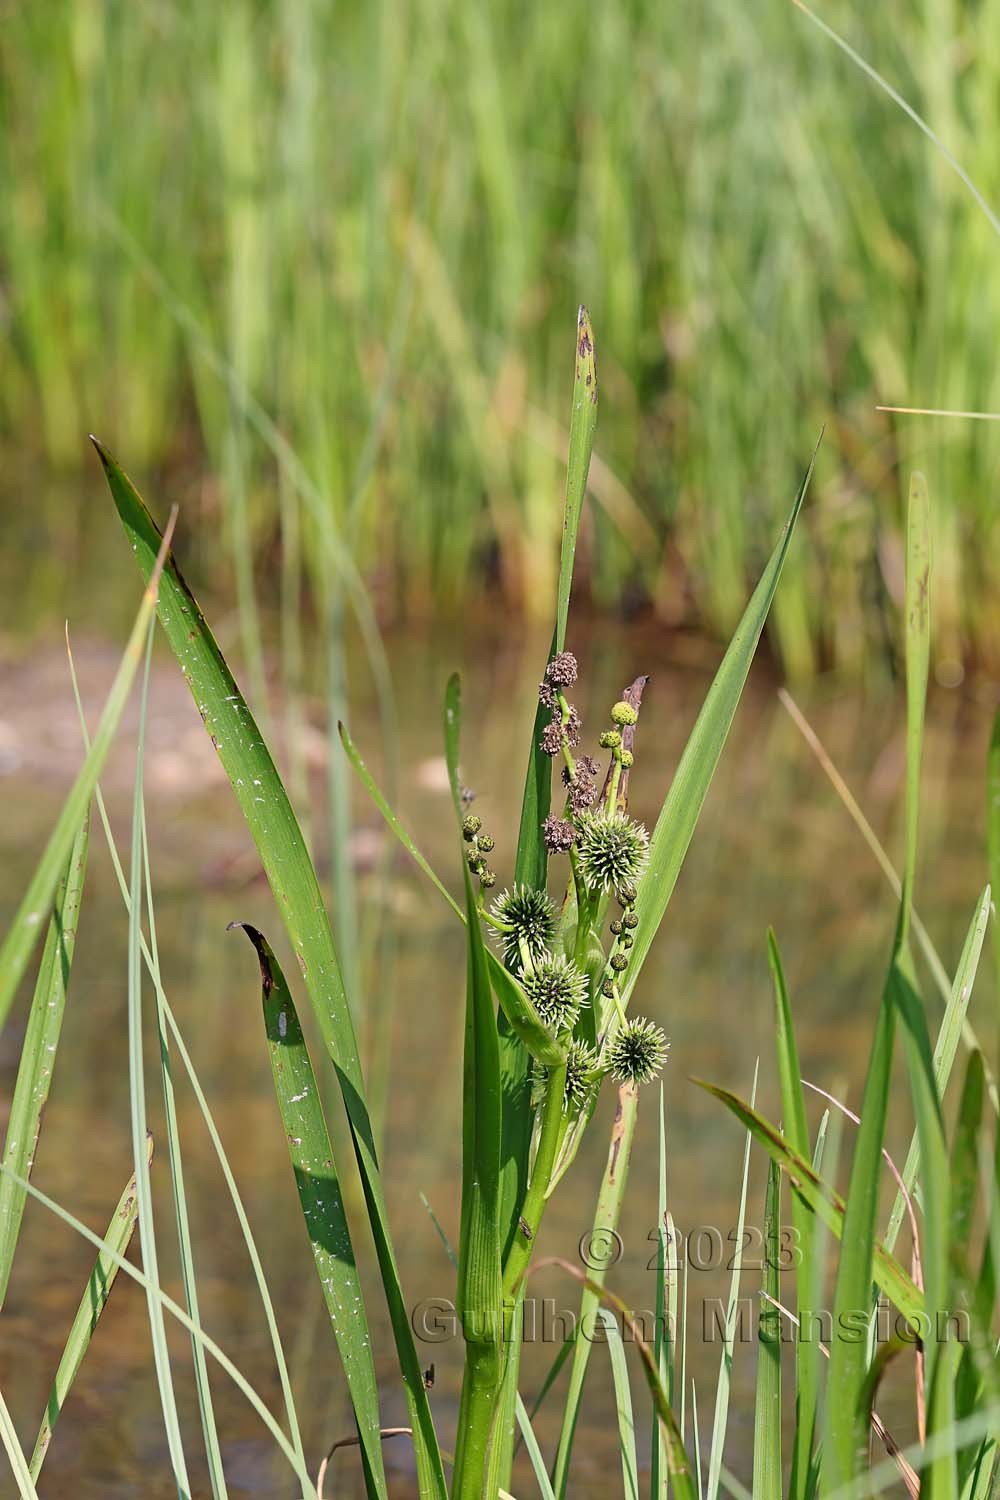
x=554 y=962
x=322 y=254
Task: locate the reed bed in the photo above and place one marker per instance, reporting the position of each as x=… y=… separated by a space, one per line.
x=357 y=232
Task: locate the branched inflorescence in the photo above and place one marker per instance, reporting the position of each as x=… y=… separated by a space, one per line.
x=609 y=854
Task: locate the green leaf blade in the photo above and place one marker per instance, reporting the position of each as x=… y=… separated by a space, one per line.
x=318 y=1185
x=689 y=788
x=285 y=858
x=39 y=1050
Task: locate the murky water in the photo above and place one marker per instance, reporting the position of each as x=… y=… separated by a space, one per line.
x=774 y=847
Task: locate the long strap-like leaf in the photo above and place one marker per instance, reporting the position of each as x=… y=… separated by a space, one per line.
x=36 y=903
x=318 y=1184
x=38 y=1054
x=676 y=824
x=264 y=801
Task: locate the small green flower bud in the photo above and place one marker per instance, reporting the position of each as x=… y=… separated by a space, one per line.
x=471 y=826
x=623 y=713
x=487 y=879
x=486 y=843
x=627 y=759
x=626 y=893
x=630 y=919
x=616 y=926
x=608 y=989
x=610 y=739
x=627 y=940
x=619 y=962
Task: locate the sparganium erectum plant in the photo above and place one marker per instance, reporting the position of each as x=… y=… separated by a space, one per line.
x=553 y=962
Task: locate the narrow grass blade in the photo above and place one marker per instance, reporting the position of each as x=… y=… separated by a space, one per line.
x=534 y=1453
x=689 y=788
x=908 y=110
x=724 y=1384
x=137 y=1112
x=264 y=801
x=15 y=1453
x=679 y=1464
x=84 y=1325
x=917 y=607
x=380 y=801
x=213 y=1451
x=39 y=1050
x=945 y=1048
x=479 y=1299
x=666 y=1316
x=858 y=1265
x=605 y=1228
x=920 y=933
x=993 y=828
x=965 y=1186
x=623 y=1404
x=697 y=1438
x=521 y=1017
x=793 y=1109
x=767 y=1408
x=153 y=969
x=824 y=1201
x=27 y=923
x=180 y=1316
x=317 y=1181
x=934 y=1173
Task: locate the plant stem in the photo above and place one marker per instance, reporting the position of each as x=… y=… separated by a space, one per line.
x=533 y=1207
x=609 y=1202
x=476 y=1413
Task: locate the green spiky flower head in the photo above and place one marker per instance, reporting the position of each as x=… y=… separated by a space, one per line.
x=611 y=850
x=583 y=1070
x=638 y=1052
x=558 y=991
x=528 y=917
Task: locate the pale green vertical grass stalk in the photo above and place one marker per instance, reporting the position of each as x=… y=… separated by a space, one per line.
x=724 y=1382
x=206 y=1407
x=164 y=1009
x=84 y=1325
x=137 y=1114
x=167 y=1304
x=26 y=926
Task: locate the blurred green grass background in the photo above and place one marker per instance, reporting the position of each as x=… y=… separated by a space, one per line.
x=294 y=259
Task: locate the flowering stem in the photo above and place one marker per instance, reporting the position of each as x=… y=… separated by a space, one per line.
x=519 y=1255
x=567 y=754
x=616 y=776
x=616 y=996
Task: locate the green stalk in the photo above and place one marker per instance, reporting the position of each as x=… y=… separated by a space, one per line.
x=609 y=1202
x=533 y=1206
